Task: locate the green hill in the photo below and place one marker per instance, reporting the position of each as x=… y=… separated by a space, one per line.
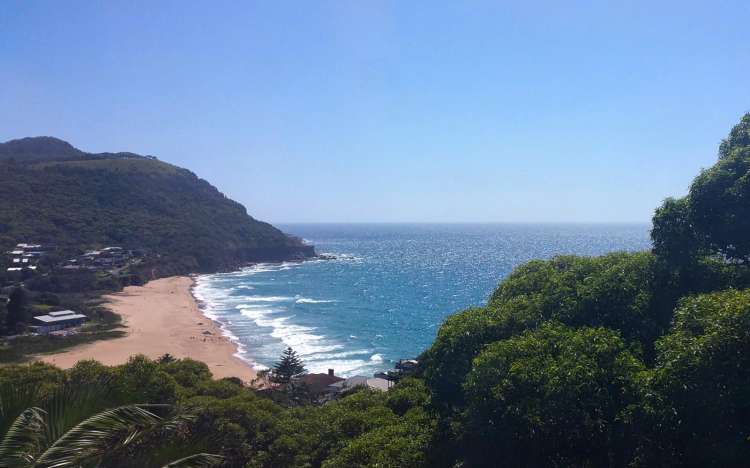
x=53 y=193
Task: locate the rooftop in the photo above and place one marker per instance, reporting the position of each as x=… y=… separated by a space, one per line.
x=59 y=318
x=61 y=312
x=379 y=384
x=318 y=383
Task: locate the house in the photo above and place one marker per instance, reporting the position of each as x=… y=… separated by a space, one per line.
x=25 y=256
x=108 y=257
x=25 y=247
x=394 y=375
x=57 y=321
x=319 y=385
x=377 y=383
x=407 y=365
x=373 y=383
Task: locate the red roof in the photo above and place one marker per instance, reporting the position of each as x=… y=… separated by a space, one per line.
x=318 y=383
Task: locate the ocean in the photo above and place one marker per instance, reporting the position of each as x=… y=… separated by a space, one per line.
x=390 y=287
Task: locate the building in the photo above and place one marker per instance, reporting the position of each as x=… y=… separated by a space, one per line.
x=373 y=383
x=25 y=256
x=57 y=321
x=106 y=258
x=319 y=385
x=28 y=246
x=407 y=366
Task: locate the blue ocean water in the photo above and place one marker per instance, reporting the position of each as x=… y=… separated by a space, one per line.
x=389 y=289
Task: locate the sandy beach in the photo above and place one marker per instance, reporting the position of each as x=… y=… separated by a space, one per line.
x=161 y=317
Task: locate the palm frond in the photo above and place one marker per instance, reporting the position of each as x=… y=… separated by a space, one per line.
x=104 y=432
x=72 y=403
x=24 y=439
x=171 y=439
x=14 y=400
x=198 y=460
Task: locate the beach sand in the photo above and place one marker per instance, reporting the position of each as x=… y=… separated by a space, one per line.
x=161 y=317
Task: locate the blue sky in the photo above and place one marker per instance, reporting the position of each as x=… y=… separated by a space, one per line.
x=392 y=111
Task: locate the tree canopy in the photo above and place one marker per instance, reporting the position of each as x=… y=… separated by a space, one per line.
x=628 y=359
x=715 y=215
x=552 y=396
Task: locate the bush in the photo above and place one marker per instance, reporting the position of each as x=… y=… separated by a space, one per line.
x=703 y=374
x=554 y=396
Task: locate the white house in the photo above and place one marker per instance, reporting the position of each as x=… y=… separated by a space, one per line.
x=58 y=320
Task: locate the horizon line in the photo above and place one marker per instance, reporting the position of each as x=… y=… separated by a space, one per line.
x=458 y=222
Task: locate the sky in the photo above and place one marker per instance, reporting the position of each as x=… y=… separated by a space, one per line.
x=374 y=111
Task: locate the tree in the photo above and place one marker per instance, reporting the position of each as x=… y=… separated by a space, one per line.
x=3 y=319
x=554 y=396
x=460 y=338
x=290 y=365
x=621 y=291
x=718 y=208
x=738 y=137
x=715 y=216
x=703 y=377
x=165 y=358
x=673 y=235
x=17 y=309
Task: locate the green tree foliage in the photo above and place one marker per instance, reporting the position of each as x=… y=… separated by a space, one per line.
x=404 y=442
x=614 y=291
x=701 y=245
x=66 y=421
x=358 y=430
x=55 y=194
x=245 y=428
x=290 y=365
x=674 y=238
x=739 y=137
x=3 y=319
x=554 y=396
x=620 y=291
x=18 y=309
x=448 y=360
x=703 y=373
x=106 y=438
x=166 y=358
x=719 y=208
x=715 y=216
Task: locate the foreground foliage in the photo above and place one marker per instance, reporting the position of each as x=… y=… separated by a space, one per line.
x=189 y=413
x=67 y=427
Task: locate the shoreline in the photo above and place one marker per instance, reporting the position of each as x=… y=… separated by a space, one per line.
x=161 y=317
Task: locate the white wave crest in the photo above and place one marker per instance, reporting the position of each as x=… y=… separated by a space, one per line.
x=267 y=298
x=306 y=300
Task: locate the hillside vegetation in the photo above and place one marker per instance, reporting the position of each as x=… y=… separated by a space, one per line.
x=56 y=194
x=625 y=360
